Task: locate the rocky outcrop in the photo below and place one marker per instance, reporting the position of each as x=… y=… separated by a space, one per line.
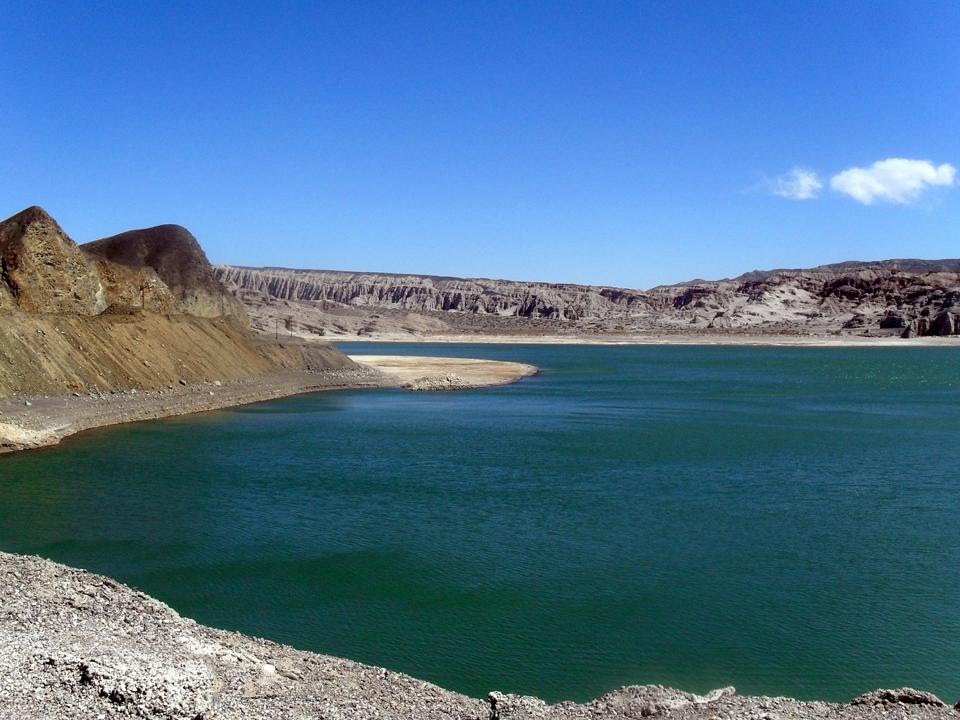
x=160 y=270
x=448 y=381
x=75 y=645
x=887 y=298
x=900 y=696
x=169 y=271
x=43 y=271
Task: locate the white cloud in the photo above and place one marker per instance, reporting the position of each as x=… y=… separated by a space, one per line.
x=798 y=184
x=894 y=180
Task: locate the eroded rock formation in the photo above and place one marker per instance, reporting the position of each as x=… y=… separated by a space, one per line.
x=43 y=271
x=897 y=297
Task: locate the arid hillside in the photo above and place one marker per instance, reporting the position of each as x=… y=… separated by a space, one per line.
x=180 y=265
x=887 y=298
x=138 y=310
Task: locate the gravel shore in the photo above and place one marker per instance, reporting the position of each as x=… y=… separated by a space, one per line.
x=74 y=645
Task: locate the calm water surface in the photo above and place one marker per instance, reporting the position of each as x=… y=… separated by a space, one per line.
x=783 y=520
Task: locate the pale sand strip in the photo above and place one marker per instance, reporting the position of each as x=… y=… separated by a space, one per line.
x=733 y=339
x=446 y=373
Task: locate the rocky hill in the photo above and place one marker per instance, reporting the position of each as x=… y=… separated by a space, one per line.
x=77 y=645
x=169 y=265
x=43 y=271
x=894 y=297
x=161 y=269
x=138 y=310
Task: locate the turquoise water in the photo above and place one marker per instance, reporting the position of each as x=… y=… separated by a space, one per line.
x=783 y=520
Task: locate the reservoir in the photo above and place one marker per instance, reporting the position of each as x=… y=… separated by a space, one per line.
x=784 y=520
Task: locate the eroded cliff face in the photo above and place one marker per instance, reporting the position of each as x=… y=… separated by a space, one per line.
x=901 y=297
x=883 y=298
x=422 y=293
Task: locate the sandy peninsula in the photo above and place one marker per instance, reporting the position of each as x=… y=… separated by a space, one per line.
x=445 y=373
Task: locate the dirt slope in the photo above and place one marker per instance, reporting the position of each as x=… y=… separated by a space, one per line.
x=43 y=354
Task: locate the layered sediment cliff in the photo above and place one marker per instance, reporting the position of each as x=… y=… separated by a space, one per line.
x=889 y=298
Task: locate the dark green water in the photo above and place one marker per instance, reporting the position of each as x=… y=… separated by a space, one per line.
x=783 y=520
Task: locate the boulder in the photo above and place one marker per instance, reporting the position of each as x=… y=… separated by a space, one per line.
x=900 y=696
x=944 y=323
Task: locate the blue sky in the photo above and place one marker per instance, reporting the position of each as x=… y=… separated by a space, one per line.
x=614 y=143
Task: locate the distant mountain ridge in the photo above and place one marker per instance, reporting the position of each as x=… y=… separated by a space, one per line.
x=908 y=297
x=911 y=265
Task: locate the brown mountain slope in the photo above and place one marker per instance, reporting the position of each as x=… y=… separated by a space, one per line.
x=138 y=310
x=178 y=261
x=894 y=297
x=56 y=354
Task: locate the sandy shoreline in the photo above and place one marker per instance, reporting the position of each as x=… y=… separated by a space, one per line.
x=29 y=422
x=718 y=339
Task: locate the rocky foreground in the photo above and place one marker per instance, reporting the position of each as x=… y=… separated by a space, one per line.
x=78 y=645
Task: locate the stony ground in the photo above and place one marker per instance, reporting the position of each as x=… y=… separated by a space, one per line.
x=78 y=645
